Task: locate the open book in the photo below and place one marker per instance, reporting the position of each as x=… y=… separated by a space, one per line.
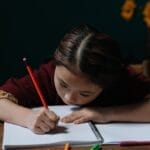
x=80 y=134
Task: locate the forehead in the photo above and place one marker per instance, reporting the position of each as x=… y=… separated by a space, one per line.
x=72 y=79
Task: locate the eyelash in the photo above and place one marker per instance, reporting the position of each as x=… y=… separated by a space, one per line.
x=63 y=85
x=84 y=95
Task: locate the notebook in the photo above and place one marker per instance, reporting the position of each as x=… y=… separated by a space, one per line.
x=81 y=134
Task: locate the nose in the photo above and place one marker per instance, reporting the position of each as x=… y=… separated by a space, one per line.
x=70 y=98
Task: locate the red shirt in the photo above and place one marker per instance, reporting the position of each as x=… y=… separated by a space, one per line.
x=128 y=89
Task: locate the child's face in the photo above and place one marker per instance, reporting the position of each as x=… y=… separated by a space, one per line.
x=74 y=89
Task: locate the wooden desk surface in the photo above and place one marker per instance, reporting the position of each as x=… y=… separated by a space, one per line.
x=104 y=147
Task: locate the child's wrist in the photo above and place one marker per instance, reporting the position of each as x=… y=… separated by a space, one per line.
x=106 y=114
x=110 y=114
x=116 y=113
x=26 y=120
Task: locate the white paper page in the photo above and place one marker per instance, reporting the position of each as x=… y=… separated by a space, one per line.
x=114 y=133
x=16 y=135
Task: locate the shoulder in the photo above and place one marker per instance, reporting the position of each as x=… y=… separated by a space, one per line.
x=48 y=66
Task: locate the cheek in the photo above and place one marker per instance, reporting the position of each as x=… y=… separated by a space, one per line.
x=87 y=100
x=59 y=89
x=57 y=86
x=83 y=101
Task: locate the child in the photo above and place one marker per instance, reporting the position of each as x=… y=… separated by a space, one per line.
x=86 y=70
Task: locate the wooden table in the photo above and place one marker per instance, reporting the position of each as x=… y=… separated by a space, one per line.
x=104 y=147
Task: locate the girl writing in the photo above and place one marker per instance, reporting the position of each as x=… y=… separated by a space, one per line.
x=86 y=70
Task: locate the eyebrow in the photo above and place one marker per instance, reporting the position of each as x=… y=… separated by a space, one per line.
x=85 y=92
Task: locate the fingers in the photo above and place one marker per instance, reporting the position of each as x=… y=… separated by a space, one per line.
x=70 y=118
x=44 y=127
x=47 y=124
x=52 y=116
x=81 y=120
x=75 y=117
x=41 y=129
x=44 y=121
x=37 y=130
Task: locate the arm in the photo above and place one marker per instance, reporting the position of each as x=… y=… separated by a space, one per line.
x=131 y=113
x=131 y=105
x=22 y=92
x=13 y=113
x=39 y=121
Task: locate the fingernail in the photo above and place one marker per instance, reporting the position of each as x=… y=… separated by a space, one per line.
x=76 y=122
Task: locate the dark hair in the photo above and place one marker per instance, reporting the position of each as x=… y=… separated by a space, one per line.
x=86 y=51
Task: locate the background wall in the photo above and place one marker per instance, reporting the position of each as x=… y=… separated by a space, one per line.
x=33 y=28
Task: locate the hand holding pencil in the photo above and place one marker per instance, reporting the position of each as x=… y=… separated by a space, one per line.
x=43 y=120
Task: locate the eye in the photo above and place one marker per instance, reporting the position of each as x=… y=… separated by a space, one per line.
x=63 y=85
x=84 y=95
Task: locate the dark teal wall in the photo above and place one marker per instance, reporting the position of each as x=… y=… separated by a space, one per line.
x=33 y=28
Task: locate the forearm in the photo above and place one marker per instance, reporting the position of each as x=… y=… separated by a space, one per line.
x=132 y=113
x=13 y=113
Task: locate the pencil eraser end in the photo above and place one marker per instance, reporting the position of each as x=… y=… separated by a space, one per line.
x=24 y=59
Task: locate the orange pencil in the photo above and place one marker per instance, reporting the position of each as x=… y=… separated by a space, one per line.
x=66 y=146
x=35 y=83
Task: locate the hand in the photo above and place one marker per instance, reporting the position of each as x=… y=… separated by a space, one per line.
x=42 y=121
x=96 y=114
